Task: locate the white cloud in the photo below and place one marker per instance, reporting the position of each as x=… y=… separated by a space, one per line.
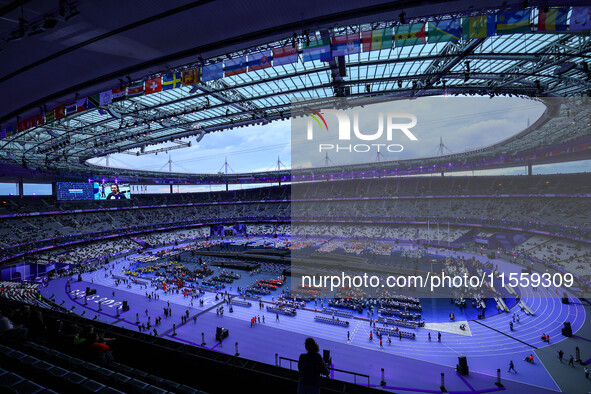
x=462 y=122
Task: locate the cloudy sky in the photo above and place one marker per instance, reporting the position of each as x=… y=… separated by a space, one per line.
x=463 y=123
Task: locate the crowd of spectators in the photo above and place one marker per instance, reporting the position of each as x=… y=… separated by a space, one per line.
x=76 y=254
x=570 y=255
x=535 y=210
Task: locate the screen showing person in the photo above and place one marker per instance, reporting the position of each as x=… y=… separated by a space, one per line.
x=112 y=191
x=115 y=194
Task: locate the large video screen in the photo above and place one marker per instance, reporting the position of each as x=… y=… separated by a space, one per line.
x=112 y=191
x=74 y=191
x=79 y=191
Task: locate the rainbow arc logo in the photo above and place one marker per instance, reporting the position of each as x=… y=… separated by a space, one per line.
x=315 y=115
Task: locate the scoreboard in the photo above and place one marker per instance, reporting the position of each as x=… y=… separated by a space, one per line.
x=80 y=191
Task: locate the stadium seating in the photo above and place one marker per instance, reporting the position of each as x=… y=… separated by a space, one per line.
x=502 y=202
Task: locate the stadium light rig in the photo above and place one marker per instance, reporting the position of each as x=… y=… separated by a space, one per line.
x=49 y=22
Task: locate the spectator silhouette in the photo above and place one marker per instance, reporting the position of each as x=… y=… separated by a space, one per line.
x=311 y=366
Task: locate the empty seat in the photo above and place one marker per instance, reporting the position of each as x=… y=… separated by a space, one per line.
x=140 y=374
x=138 y=385
x=122 y=368
x=42 y=367
x=92 y=386
x=9 y=379
x=186 y=389
x=171 y=385
x=64 y=357
x=29 y=360
x=105 y=373
x=76 y=362
x=120 y=379
x=156 y=390
x=16 y=355
x=58 y=372
x=155 y=380
x=27 y=387
x=50 y=353
x=110 y=390
x=91 y=367
x=75 y=379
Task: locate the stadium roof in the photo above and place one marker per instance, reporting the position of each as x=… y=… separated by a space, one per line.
x=97 y=47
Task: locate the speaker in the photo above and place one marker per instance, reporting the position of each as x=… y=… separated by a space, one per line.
x=342 y=66
x=462 y=366
x=564 y=298
x=221 y=333
x=567 y=331
x=326 y=356
x=125 y=307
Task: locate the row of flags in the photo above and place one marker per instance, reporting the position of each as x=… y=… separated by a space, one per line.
x=325 y=49
x=556 y=152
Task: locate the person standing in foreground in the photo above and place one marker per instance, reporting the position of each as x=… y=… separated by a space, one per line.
x=311 y=366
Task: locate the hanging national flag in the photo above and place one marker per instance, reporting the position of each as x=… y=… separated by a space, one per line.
x=136 y=89
x=285 y=55
x=478 y=26
x=235 y=66
x=514 y=22
x=70 y=109
x=81 y=105
x=6 y=132
x=191 y=77
x=153 y=85
x=93 y=101
x=413 y=34
x=317 y=50
x=580 y=18
x=445 y=30
x=552 y=20
x=171 y=81
x=30 y=122
x=212 y=71
x=106 y=97
x=50 y=115
x=375 y=40
x=349 y=44
x=119 y=93
x=258 y=61
x=60 y=111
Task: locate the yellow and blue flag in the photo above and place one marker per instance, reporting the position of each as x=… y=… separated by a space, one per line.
x=171 y=81
x=478 y=26
x=514 y=22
